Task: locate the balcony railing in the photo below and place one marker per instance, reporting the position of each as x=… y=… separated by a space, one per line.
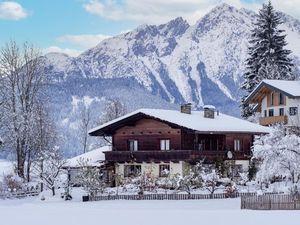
x=272 y=120
x=166 y=156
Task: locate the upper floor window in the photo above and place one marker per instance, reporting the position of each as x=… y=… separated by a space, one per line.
x=237 y=145
x=133 y=145
x=281 y=99
x=164 y=144
x=271 y=112
x=272 y=98
x=293 y=111
x=281 y=111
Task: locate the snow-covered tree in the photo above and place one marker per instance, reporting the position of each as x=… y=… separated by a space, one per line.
x=113 y=110
x=90 y=178
x=84 y=126
x=268 y=58
x=21 y=81
x=51 y=169
x=278 y=154
x=210 y=181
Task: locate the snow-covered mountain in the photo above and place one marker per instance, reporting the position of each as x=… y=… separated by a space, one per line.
x=201 y=63
x=173 y=62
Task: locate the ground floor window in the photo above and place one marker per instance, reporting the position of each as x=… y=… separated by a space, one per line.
x=132 y=170
x=293 y=111
x=236 y=170
x=164 y=170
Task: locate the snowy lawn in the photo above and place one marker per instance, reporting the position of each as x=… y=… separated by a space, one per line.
x=33 y=211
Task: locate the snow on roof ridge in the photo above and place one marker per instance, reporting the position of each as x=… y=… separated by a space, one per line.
x=196 y=121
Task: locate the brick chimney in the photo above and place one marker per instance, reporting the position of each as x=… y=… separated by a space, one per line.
x=186 y=108
x=209 y=111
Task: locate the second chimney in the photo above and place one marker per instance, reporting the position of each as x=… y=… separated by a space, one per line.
x=186 y=108
x=209 y=111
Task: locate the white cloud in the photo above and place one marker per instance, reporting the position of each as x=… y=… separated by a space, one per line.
x=157 y=11
x=12 y=11
x=84 y=41
x=68 y=51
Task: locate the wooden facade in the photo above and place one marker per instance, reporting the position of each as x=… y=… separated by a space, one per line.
x=185 y=145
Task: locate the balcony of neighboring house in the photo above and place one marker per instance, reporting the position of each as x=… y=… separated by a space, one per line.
x=166 y=156
x=273 y=120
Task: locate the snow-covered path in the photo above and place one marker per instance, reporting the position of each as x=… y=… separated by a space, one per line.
x=224 y=212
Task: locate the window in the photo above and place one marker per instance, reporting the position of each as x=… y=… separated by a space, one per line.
x=281 y=111
x=281 y=99
x=164 y=144
x=293 y=111
x=164 y=170
x=201 y=145
x=271 y=112
x=265 y=113
x=133 y=145
x=237 y=145
x=132 y=170
x=272 y=99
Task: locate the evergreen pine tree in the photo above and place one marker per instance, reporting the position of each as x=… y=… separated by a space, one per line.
x=268 y=59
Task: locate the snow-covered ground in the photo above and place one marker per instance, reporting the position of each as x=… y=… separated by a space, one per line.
x=33 y=211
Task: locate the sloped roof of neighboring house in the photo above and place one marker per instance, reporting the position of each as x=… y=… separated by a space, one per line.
x=196 y=121
x=92 y=158
x=287 y=87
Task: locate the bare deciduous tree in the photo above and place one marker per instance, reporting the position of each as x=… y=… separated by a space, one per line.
x=51 y=169
x=85 y=120
x=21 y=80
x=113 y=110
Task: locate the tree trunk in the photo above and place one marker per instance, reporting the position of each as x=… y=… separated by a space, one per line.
x=20 y=161
x=53 y=191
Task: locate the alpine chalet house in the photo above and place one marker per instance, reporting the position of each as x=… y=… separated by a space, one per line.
x=155 y=140
x=278 y=101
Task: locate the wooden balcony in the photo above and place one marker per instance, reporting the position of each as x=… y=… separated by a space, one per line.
x=167 y=156
x=272 y=120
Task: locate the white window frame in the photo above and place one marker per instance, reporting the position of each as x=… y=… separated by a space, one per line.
x=237 y=145
x=165 y=144
x=135 y=145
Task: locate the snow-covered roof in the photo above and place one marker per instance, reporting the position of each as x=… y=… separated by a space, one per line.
x=209 y=107
x=288 y=87
x=194 y=121
x=93 y=158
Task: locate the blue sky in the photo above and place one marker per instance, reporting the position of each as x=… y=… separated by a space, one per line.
x=72 y=26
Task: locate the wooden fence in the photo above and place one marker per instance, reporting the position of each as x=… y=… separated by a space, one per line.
x=19 y=194
x=167 y=196
x=271 y=202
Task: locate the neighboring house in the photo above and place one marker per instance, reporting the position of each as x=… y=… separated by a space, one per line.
x=94 y=158
x=156 y=140
x=278 y=101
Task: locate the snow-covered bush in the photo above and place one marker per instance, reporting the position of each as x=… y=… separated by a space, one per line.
x=278 y=154
x=210 y=181
x=12 y=183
